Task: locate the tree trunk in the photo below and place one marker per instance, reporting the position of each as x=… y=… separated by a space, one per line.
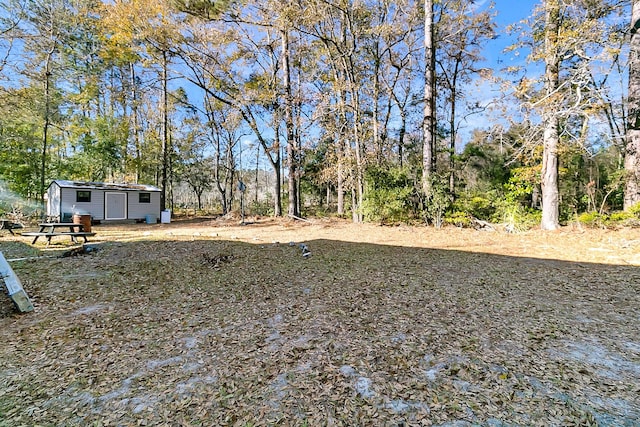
x=218 y=163
x=356 y=207
x=549 y=179
x=275 y=160
x=328 y=198
x=45 y=132
x=354 y=202
x=165 y=133
x=292 y=155
x=230 y=173
x=341 y=151
x=376 y=95
x=340 y=183
x=429 y=104
x=257 y=166
x=402 y=132
x=47 y=123
x=452 y=138
x=632 y=146
x=277 y=186
x=453 y=81
x=135 y=122
x=299 y=168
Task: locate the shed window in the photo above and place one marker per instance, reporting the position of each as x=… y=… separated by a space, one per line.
x=144 y=197
x=83 y=196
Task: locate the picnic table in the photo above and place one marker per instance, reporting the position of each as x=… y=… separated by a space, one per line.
x=48 y=230
x=9 y=225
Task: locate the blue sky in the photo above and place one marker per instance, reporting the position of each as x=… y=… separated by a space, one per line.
x=508 y=12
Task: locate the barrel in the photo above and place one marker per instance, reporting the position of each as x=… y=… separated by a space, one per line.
x=85 y=220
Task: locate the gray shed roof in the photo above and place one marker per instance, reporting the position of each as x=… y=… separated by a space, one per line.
x=104 y=186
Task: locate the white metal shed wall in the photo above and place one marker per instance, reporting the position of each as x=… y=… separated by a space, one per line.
x=53 y=200
x=62 y=199
x=95 y=207
x=139 y=210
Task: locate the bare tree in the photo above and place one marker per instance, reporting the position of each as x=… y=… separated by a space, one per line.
x=572 y=40
x=9 y=22
x=292 y=152
x=632 y=148
x=549 y=182
x=429 y=123
x=462 y=32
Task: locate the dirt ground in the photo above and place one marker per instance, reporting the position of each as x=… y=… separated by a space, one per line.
x=283 y=322
x=568 y=244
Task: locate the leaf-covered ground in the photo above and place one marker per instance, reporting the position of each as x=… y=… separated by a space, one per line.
x=206 y=323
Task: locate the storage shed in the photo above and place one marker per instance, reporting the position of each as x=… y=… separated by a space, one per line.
x=103 y=201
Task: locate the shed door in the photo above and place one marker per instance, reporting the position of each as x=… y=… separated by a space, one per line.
x=115 y=205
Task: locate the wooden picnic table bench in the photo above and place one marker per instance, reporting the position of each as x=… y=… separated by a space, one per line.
x=48 y=230
x=9 y=225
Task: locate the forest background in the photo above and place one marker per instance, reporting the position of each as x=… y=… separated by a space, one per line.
x=349 y=108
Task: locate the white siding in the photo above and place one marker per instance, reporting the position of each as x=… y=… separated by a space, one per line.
x=95 y=208
x=139 y=210
x=53 y=200
x=63 y=200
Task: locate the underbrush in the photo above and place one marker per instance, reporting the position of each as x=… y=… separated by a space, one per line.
x=617 y=219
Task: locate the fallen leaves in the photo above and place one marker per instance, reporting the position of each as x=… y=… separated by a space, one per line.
x=214 y=332
x=216 y=261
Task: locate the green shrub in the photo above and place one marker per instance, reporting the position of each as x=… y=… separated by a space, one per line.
x=620 y=216
x=613 y=220
x=521 y=184
x=481 y=206
x=261 y=208
x=388 y=195
x=318 y=211
x=635 y=210
x=387 y=205
x=459 y=219
x=477 y=206
x=438 y=202
x=591 y=219
x=622 y=219
x=515 y=216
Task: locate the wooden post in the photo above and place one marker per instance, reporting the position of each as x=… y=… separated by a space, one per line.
x=14 y=286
